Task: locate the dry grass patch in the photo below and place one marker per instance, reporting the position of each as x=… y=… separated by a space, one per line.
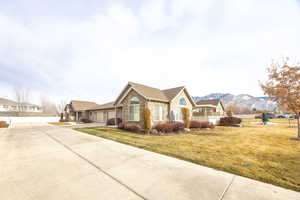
x=59 y=123
x=265 y=153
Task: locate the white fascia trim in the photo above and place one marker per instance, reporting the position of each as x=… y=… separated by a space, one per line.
x=178 y=94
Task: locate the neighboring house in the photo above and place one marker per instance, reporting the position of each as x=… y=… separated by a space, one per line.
x=7 y=105
x=209 y=110
x=165 y=105
x=78 y=110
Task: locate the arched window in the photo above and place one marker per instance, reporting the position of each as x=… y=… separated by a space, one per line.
x=134 y=109
x=134 y=100
x=182 y=101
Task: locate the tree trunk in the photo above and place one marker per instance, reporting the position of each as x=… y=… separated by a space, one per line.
x=298 y=123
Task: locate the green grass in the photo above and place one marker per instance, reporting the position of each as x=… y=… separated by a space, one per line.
x=264 y=153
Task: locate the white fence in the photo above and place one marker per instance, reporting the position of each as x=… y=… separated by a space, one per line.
x=213 y=119
x=15 y=120
x=249 y=116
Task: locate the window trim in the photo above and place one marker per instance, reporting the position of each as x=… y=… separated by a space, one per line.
x=181 y=100
x=135 y=115
x=160 y=112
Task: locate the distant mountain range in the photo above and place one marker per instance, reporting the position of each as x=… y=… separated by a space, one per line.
x=242 y=100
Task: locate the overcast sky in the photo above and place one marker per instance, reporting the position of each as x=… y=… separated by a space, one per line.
x=89 y=49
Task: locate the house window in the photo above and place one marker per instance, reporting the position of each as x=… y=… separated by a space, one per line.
x=5 y=106
x=182 y=102
x=158 y=112
x=177 y=115
x=134 y=109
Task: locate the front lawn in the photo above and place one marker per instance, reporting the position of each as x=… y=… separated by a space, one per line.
x=265 y=153
x=59 y=123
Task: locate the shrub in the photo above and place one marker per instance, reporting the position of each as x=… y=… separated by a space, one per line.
x=207 y=125
x=132 y=127
x=63 y=120
x=147 y=119
x=229 y=113
x=169 y=127
x=154 y=132
x=199 y=124
x=84 y=120
x=111 y=122
x=195 y=124
x=186 y=117
x=121 y=125
x=178 y=126
x=3 y=124
x=229 y=121
x=166 y=127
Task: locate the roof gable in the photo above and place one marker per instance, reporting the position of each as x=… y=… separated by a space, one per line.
x=104 y=106
x=82 y=105
x=7 y=102
x=172 y=92
x=213 y=102
x=149 y=93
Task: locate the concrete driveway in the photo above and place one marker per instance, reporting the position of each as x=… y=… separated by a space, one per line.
x=46 y=162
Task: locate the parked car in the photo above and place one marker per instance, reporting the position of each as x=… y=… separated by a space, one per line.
x=268 y=115
x=286 y=116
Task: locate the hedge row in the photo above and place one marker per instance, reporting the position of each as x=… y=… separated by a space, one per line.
x=3 y=124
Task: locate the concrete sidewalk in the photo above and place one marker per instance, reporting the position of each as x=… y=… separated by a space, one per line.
x=49 y=162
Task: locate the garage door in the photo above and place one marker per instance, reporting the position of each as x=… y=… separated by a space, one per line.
x=100 y=116
x=111 y=114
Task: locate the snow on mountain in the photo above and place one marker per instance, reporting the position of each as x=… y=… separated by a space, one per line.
x=243 y=100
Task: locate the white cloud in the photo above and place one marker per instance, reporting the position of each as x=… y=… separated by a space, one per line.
x=209 y=46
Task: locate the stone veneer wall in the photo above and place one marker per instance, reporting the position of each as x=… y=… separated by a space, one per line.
x=125 y=111
x=151 y=105
x=175 y=103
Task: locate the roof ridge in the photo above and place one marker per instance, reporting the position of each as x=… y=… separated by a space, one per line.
x=173 y=88
x=84 y=101
x=145 y=90
x=142 y=85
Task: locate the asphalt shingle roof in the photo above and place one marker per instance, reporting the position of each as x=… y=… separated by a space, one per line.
x=149 y=92
x=7 y=102
x=172 y=92
x=103 y=106
x=82 y=105
x=213 y=102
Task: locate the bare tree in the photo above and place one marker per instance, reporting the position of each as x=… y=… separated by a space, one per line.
x=61 y=106
x=283 y=86
x=48 y=106
x=21 y=97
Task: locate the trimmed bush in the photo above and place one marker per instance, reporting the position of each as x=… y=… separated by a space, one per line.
x=169 y=127
x=112 y=122
x=121 y=125
x=129 y=127
x=63 y=120
x=3 y=124
x=200 y=124
x=195 y=124
x=132 y=127
x=147 y=119
x=229 y=113
x=178 y=126
x=84 y=120
x=207 y=125
x=229 y=121
x=186 y=117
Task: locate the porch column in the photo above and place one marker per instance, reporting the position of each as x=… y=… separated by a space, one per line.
x=76 y=118
x=116 y=115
